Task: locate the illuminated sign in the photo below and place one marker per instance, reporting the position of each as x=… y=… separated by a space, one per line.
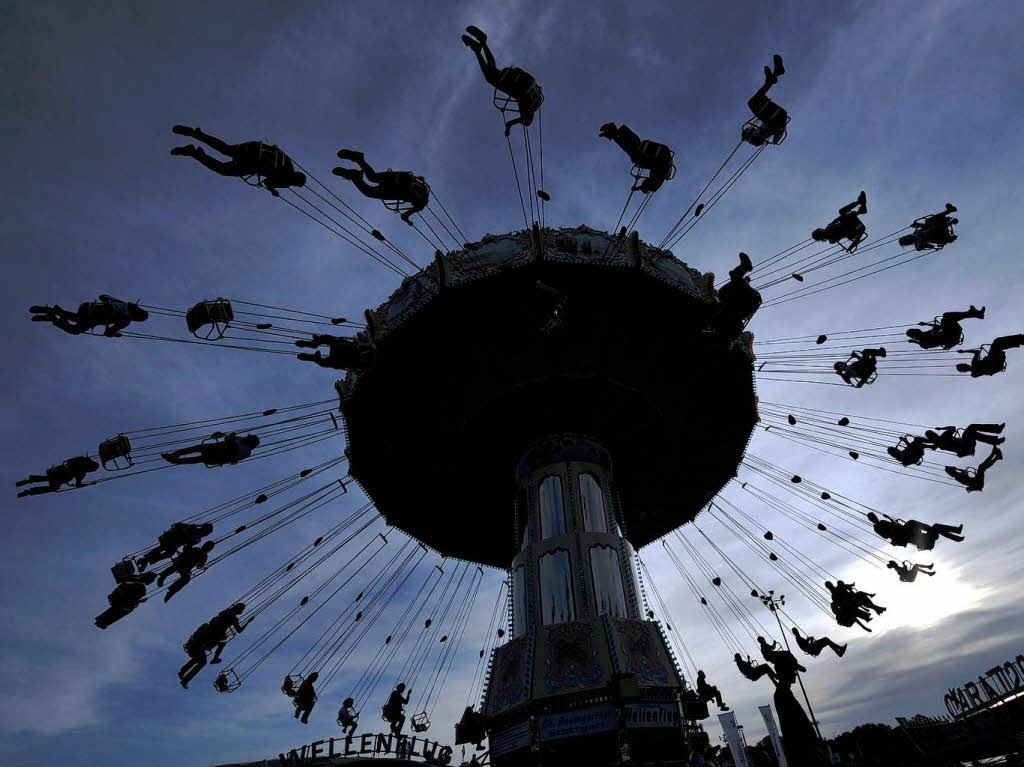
x=572 y=723
x=996 y=684
x=403 y=746
x=652 y=715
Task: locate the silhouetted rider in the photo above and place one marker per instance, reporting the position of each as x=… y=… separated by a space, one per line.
x=272 y=167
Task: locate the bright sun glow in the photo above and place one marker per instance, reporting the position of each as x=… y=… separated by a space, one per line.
x=923 y=603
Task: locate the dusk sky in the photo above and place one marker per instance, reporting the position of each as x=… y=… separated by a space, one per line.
x=918 y=104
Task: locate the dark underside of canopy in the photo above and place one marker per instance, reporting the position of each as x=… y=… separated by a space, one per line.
x=460 y=390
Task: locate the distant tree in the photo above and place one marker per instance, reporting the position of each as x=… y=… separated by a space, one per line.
x=877 y=745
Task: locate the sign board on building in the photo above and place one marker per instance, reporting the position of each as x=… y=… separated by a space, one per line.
x=403 y=746
x=996 y=684
x=512 y=739
x=572 y=723
x=652 y=715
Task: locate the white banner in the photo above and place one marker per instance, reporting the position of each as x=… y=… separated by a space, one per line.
x=732 y=737
x=773 y=733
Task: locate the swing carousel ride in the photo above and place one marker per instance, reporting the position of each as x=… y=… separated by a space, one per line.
x=547 y=440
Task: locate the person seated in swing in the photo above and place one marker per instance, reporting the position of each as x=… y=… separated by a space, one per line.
x=785 y=663
x=846 y=226
x=400 y=186
x=993 y=362
x=847 y=614
x=845 y=605
x=70 y=472
x=944 y=332
x=752 y=672
x=966 y=442
x=912 y=452
x=651 y=156
x=229 y=450
x=708 y=692
x=178 y=535
x=513 y=81
x=195 y=647
x=224 y=621
x=974 y=480
x=738 y=301
x=864 y=365
x=908 y=572
x=272 y=167
x=344 y=353
x=923 y=536
x=851 y=606
x=393 y=710
x=933 y=231
x=771 y=116
x=348 y=717
x=305 y=698
x=190 y=558
x=813 y=646
x=858 y=598
x=112 y=313
x=129 y=593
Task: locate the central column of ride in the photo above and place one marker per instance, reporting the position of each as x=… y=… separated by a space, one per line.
x=584 y=392
x=585 y=677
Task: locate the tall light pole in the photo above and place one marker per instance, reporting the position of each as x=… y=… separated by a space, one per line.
x=773 y=603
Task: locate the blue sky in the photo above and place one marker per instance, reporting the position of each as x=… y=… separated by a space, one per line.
x=916 y=103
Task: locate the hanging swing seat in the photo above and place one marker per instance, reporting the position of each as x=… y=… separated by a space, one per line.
x=937 y=319
x=903 y=445
x=756 y=124
x=920 y=243
x=420 y=722
x=870 y=379
x=985 y=350
x=270 y=160
x=123 y=570
x=217 y=438
x=291 y=684
x=116 y=451
x=653 y=155
x=217 y=314
x=227 y=681
x=517 y=91
x=411 y=192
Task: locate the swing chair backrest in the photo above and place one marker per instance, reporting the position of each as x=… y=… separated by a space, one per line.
x=293 y=681
x=114 y=451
